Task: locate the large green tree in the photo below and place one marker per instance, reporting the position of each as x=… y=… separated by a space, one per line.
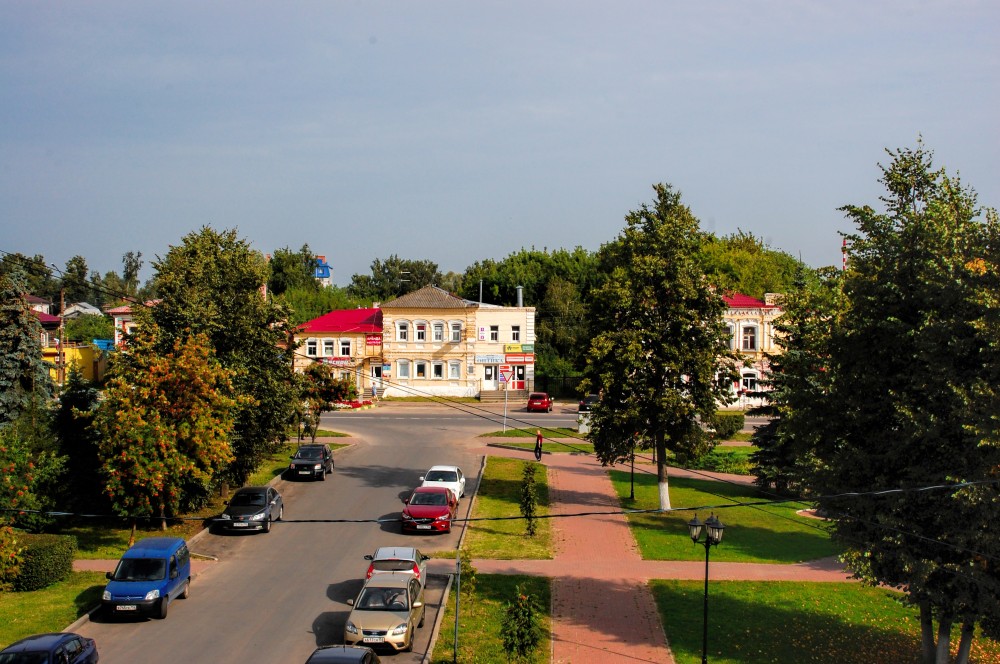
x=744 y=263
x=212 y=283
x=915 y=369
x=25 y=384
x=75 y=283
x=393 y=277
x=660 y=358
x=292 y=269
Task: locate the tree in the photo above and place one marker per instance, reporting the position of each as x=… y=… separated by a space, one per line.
x=914 y=364
x=88 y=327
x=292 y=270
x=165 y=422
x=75 y=284
x=320 y=390
x=743 y=263
x=660 y=357
x=35 y=274
x=519 y=631
x=79 y=443
x=211 y=284
x=392 y=278
x=24 y=378
x=307 y=303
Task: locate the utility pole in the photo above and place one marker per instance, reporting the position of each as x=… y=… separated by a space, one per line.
x=62 y=337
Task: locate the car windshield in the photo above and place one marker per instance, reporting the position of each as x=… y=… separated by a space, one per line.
x=247 y=500
x=422 y=498
x=536 y=397
x=383 y=599
x=393 y=565
x=24 y=658
x=140 y=569
x=441 y=476
x=313 y=453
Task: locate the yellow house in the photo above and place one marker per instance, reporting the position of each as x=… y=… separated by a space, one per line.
x=349 y=340
x=751 y=335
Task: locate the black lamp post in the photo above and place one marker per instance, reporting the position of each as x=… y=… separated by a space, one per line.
x=713 y=535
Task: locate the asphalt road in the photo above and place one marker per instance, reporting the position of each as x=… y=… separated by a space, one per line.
x=275 y=597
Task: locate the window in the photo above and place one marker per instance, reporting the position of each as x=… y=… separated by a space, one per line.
x=403 y=369
x=345 y=347
x=438 y=331
x=437 y=370
x=421 y=332
x=732 y=335
x=402 y=331
x=420 y=369
x=494 y=333
x=456 y=332
x=327 y=347
x=311 y=347
x=749 y=337
x=454 y=370
x=515 y=332
x=749 y=383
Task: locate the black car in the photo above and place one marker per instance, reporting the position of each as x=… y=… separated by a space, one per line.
x=56 y=647
x=587 y=403
x=252 y=508
x=312 y=461
x=343 y=655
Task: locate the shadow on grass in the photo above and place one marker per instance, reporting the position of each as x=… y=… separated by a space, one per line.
x=88 y=599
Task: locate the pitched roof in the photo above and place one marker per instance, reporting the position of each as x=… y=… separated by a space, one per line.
x=366 y=321
x=741 y=301
x=44 y=318
x=429 y=297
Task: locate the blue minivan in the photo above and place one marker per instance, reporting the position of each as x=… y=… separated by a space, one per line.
x=150 y=575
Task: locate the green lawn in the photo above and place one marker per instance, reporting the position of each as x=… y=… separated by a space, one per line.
x=763 y=534
x=778 y=622
x=50 y=609
x=480 y=619
x=530 y=432
x=499 y=495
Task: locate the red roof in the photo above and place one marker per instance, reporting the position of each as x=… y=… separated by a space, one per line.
x=367 y=321
x=741 y=301
x=44 y=317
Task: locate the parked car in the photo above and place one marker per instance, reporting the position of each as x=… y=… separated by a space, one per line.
x=150 y=575
x=387 y=612
x=450 y=477
x=58 y=648
x=398 y=559
x=252 y=508
x=343 y=655
x=312 y=461
x=539 y=401
x=430 y=508
x=588 y=402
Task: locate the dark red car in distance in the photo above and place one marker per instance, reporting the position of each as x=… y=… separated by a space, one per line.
x=539 y=401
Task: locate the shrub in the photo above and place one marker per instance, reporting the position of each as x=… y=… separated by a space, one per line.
x=46 y=559
x=727 y=423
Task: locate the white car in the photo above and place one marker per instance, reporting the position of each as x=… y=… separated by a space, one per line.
x=450 y=477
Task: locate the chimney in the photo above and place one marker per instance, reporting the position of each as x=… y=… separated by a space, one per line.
x=520 y=296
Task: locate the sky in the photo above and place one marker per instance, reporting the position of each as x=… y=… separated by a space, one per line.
x=462 y=131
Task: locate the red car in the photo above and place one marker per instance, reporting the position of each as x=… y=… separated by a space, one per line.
x=539 y=401
x=430 y=508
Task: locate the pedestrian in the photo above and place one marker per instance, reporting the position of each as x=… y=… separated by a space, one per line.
x=374 y=391
x=538 y=445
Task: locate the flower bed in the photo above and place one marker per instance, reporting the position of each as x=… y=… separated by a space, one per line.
x=352 y=405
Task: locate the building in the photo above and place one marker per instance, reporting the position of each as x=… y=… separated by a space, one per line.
x=322 y=271
x=751 y=335
x=125 y=320
x=438 y=344
x=349 y=340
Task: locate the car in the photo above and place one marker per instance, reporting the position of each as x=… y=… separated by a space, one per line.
x=539 y=401
x=150 y=575
x=343 y=655
x=56 y=647
x=386 y=613
x=588 y=402
x=450 y=477
x=430 y=508
x=398 y=560
x=252 y=508
x=312 y=461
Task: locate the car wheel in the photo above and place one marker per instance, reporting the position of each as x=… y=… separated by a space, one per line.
x=281 y=512
x=187 y=590
x=267 y=525
x=322 y=475
x=409 y=645
x=163 y=608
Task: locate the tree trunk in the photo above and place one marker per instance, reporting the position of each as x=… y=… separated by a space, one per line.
x=944 y=640
x=926 y=633
x=661 y=470
x=965 y=645
x=131 y=535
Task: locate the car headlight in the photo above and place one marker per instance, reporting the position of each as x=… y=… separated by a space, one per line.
x=318 y=466
x=152 y=594
x=400 y=629
x=225 y=517
x=291 y=466
x=350 y=628
x=106 y=596
x=257 y=517
x=407 y=517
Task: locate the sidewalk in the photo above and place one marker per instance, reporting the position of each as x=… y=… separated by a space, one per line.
x=602 y=609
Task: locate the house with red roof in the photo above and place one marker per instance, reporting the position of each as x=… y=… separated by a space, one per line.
x=349 y=340
x=751 y=335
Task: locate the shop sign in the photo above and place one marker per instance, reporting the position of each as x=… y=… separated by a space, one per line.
x=373 y=339
x=512 y=348
x=520 y=358
x=493 y=358
x=337 y=361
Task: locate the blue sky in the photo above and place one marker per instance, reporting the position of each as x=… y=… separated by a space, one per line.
x=460 y=131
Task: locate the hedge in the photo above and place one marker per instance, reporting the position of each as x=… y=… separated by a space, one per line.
x=727 y=423
x=46 y=559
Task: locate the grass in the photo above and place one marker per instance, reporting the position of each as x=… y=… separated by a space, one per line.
x=557 y=432
x=49 y=609
x=499 y=495
x=481 y=617
x=554 y=447
x=825 y=623
x=725 y=459
x=759 y=534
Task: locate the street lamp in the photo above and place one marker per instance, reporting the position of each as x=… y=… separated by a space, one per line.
x=713 y=535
